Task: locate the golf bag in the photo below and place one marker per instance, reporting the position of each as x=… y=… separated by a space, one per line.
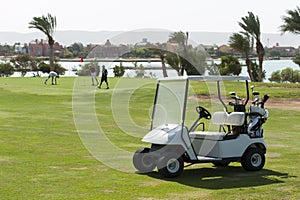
x=257 y=117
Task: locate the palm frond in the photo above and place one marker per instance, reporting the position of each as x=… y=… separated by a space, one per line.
x=251 y=25
x=45 y=24
x=291 y=23
x=240 y=43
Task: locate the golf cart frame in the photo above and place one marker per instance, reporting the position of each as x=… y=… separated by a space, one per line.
x=173 y=143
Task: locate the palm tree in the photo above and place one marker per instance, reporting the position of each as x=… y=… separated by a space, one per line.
x=160 y=50
x=161 y=54
x=47 y=25
x=175 y=61
x=241 y=43
x=251 y=26
x=291 y=22
x=182 y=39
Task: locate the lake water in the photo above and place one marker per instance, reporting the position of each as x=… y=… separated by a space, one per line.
x=268 y=65
x=273 y=65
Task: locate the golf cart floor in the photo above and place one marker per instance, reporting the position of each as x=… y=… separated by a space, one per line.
x=207 y=159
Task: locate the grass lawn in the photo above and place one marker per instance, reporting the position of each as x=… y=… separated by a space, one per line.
x=47 y=152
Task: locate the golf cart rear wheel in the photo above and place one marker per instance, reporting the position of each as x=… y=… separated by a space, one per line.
x=170 y=165
x=253 y=159
x=144 y=161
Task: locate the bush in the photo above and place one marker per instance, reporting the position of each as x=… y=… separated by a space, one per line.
x=119 y=70
x=297 y=59
x=140 y=71
x=6 y=69
x=230 y=65
x=254 y=71
x=276 y=76
x=85 y=69
x=45 y=68
x=286 y=75
x=296 y=76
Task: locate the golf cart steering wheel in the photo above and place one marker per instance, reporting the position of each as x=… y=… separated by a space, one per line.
x=203 y=112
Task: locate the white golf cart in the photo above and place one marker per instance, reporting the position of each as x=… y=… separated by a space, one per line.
x=238 y=138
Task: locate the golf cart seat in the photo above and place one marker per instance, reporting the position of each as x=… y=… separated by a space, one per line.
x=233 y=119
x=223 y=119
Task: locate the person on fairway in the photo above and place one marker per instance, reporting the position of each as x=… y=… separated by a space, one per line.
x=53 y=76
x=94 y=75
x=104 y=77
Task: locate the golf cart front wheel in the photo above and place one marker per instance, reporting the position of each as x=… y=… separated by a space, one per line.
x=144 y=161
x=253 y=159
x=170 y=165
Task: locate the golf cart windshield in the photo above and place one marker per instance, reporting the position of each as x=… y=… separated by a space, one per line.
x=177 y=97
x=169 y=102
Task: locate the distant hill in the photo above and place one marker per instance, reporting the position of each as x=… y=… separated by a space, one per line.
x=118 y=37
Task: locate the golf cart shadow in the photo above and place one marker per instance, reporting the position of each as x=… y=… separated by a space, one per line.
x=225 y=177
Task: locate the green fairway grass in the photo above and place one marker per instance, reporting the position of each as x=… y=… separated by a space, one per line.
x=44 y=156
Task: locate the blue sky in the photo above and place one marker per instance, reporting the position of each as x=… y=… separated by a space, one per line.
x=188 y=15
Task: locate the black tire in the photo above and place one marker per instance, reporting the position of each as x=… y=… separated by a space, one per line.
x=170 y=165
x=253 y=159
x=144 y=161
x=221 y=163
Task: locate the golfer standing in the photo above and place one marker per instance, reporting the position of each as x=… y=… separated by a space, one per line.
x=94 y=75
x=104 y=77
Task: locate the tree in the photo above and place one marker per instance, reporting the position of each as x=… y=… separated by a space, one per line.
x=186 y=58
x=76 y=49
x=119 y=70
x=230 y=65
x=296 y=76
x=45 y=68
x=195 y=62
x=6 y=69
x=275 y=76
x=251 y=25
x=67 y=53
x=86 y=50
x=85 y=69
x=139 y=70
x=287 y=74
x=6 y=50
x=241 y=43
x=160 y=51
x=161 y=54
x=182 y=39
x=297 y=59
x=254 y=71
x=274 y=53
x=47 y=25
x=24 y=63
x=291 y=23
x=174 y=60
